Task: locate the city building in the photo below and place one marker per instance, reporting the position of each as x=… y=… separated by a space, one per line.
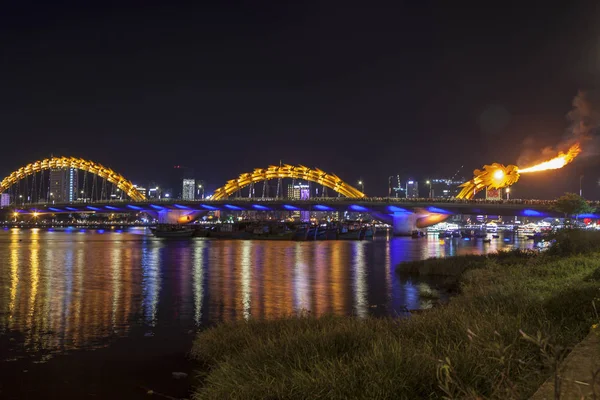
x=189 y=189
x=63 y=185
x=154 y=193
x=300 y=191
x=141 y=190
x=180 y=178
x=412 y=189
x=4 y=200
x=444 y=188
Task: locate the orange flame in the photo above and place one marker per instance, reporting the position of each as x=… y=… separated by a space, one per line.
x=557 y=162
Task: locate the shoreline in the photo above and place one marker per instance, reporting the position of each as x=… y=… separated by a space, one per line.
x=484 y=342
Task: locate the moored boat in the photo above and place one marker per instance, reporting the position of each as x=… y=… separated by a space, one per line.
x=172 y=231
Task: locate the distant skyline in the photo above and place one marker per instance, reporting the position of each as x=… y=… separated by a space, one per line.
x=360 y=90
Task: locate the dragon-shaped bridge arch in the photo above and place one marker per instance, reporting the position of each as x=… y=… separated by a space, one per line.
x=287 y=171
x=72 y=162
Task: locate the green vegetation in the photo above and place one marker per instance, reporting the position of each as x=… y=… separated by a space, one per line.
x=572 y=204
x=499 y=338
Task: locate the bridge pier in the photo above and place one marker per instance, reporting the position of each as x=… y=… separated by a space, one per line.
x=174 y=217
x=404 y=223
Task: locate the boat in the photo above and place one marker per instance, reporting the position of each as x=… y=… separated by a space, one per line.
x=416 y=234
x=228 y=231
x=272 y=232
x=172 y=231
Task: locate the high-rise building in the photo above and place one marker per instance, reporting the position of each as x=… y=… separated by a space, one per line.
x=63 y=185
x=176 y=184
x=445 y=188
x=188 y=189
x=412 y=189
x=4 y=200
x=300 y=191
x=154 y=193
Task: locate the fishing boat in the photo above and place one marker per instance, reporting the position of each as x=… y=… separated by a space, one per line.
x=172 y=231
x=355 y=232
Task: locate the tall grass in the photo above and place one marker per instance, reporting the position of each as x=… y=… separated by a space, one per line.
x=491 y=341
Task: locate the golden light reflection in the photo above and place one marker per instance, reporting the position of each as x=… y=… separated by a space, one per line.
x=337 y=266
x=34 y=250
x=115 y=266
x=360 y=284
x=67 y=294
x=14 y=276
x=198 y=281
x=301 y=285
x=151 y=279
x=246 y=277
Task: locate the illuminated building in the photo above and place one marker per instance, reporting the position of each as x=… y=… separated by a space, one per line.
x=140 y=189
x=189 y=189
x=412 y=189
x=154 y=193
x=4 y=200
x=63 y=185
x=179 y=183
x=300 y=191
x=445 y=188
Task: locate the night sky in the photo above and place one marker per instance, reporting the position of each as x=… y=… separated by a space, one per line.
x=360 y=89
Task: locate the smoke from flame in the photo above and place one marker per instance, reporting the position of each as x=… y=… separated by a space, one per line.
x=557 y=162
x=584 y=130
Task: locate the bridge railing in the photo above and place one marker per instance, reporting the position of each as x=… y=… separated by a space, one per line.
x=389 y=200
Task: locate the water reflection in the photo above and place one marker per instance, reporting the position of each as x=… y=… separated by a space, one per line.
x=65 y=290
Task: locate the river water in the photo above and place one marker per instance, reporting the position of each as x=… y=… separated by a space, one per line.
x=111 y=313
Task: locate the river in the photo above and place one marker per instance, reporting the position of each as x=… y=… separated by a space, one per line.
x=111 y=313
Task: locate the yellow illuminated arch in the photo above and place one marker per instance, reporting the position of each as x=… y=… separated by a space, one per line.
x=287 y=171
x=71 y=162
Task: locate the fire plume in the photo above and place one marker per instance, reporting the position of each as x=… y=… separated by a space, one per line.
x=557 y=162
x=498 y=176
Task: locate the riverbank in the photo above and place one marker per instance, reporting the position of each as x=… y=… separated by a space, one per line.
x=500 y=337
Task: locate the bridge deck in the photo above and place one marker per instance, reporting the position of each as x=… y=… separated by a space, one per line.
x=523 y=208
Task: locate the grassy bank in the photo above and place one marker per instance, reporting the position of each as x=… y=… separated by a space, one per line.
x=499 y=338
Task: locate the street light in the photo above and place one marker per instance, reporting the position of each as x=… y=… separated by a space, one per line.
x=362 y=186
x=507 y=193
x=201 y=187
x=429 y=183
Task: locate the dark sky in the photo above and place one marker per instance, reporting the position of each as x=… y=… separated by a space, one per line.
x=360 y=89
